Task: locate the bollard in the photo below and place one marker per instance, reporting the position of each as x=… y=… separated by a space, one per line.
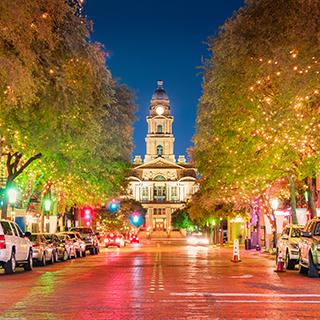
x=236 y=251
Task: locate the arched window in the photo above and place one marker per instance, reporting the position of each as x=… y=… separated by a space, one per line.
x=159 y=150
x=160 y=178
x=159 y=128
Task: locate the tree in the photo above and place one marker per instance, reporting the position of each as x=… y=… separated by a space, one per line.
x=258 y=115
x=181 y=219
x=59 y=102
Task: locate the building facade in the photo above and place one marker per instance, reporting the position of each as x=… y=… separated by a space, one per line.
x=161 y=182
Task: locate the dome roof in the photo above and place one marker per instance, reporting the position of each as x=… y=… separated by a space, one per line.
x=160 y=93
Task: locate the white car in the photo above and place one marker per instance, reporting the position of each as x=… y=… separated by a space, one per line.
x=15 y=247
x=197 y=239
x=288 y=245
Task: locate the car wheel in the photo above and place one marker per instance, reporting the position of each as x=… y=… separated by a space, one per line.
x=10 y=266
x=43 y=261
x=65 y=256
x=29 y=265
x=84 y=253
x=313 y=271
x=290 y=264
x=302 y=269
x=96 y=250
x=56 y=257
x=52 y=258
x=92 y=251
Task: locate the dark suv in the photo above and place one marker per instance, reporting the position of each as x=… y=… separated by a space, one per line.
x=89 y=237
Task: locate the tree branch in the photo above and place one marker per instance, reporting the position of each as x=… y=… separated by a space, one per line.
x=25 y=165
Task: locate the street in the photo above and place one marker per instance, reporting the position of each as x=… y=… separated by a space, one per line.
x=160 y=281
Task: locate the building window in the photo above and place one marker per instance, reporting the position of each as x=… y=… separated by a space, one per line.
x=160 y=178
x=159 y=150
x=159 y=193
x=174 y=193
x=145 y=193
x=159 y=128
x=159 y=211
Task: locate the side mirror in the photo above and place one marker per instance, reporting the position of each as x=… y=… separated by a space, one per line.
x=306 y=234
x=27 y=234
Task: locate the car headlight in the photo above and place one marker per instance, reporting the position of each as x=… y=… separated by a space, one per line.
x=205 y=241
x=192 y=240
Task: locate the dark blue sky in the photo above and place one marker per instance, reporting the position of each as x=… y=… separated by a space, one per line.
x=150 y=40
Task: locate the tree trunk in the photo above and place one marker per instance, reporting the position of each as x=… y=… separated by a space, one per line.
x=311 y=197
x=258 y=212
x=14 y=169
x=293 y=200
x=4 y=210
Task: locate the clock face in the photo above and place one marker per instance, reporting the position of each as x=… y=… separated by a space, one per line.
x=159 y=110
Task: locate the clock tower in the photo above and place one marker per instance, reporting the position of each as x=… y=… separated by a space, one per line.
x=159 y=140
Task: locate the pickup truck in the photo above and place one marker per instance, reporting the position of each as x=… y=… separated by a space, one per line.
x=309 y=249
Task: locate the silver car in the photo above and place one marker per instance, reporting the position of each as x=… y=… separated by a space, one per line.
x=42 y=251
x=79 y=244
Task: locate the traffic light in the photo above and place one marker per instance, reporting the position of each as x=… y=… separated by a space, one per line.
x=87 y=213
x=113 y=205
x=136 y=219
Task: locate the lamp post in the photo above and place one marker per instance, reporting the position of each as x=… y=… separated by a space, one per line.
x=12 y=199
x=46 y=209
x=275 y=203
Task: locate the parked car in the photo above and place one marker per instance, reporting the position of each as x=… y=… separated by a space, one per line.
x=309 y=248
x=113 y=239
x=15 y=247
x=59 y=246
x=288 y=245
x=68 y=245
x=42 y=251
x=79 y=244
x=197 y=239
x=89 y=237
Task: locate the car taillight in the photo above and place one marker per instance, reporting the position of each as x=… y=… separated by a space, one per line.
x=117 y=240
x=106 y=240
x=2 y=242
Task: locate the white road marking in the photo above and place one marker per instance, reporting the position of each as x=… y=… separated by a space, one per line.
x=245 y=276
x=268 y=301
x=278 y=295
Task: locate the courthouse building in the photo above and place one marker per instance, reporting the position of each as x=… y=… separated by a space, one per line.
x=159 y=181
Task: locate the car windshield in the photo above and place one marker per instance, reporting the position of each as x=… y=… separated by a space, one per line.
x=71 y=235
x=317 y=229
x=296 y=233
x=197 y=235
x=82 y=230
x=33 y=237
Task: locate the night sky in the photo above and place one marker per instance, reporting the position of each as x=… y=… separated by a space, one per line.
x=151 y=40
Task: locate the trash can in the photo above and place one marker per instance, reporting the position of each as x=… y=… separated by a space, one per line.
x=247 y=244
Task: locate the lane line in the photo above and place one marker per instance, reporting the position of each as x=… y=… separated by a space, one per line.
x=279 y=295
x=268 y=301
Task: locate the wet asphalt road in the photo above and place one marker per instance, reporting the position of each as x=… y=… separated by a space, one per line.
x=160 y=281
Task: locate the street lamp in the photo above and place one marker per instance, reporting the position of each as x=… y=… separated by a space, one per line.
x=47 y=205
x=12 y=199
x=275 y=203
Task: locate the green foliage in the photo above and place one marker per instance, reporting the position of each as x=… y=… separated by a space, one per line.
x=180 y=219
x=59 y=102
x=258 y=117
